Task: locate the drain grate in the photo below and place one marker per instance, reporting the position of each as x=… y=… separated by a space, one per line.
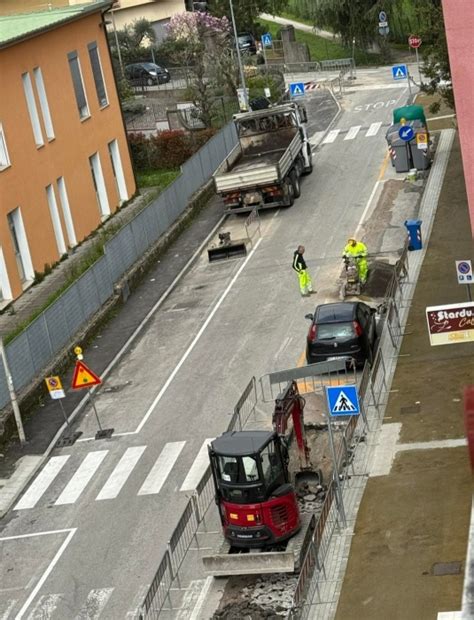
x=411 y=409
x=446 y=568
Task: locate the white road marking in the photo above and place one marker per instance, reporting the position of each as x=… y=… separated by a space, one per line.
x=161 y=469
x=42 y=482
x=385 y=451
x=191 y=595
x=373 y=129
x=44 y=608
x=199 y=466
x=5 y=614
x=50 y=567
x=332 y=135
x=95 y=603
x=81 y=478
x=202 y=597
x=352 y=133
x=367 y=207
x=316 y=138
x=122 y=471
x=11 y=488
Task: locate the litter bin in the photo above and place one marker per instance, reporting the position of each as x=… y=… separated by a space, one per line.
x=420 y=147
x=400 y=154
x=414 y=234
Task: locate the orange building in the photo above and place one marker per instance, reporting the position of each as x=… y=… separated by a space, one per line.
x=64 y=159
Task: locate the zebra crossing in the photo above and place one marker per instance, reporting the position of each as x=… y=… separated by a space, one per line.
x=352 y=132
x=53 y=605
x=81 y=472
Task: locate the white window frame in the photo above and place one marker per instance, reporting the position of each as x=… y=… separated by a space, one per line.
x=91 y=48
x=32 y=109
x=56 y=220
x=84 y=111
x=43 y=100
x=5 y=288
x=117 y=169
x=99 y=185
x=23 y=246
x=64 y=200
x=4 y=157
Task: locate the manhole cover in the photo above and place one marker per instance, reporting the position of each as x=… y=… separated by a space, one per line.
x=446 y=568
x=410 y=409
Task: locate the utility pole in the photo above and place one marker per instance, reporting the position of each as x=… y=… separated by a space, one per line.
x=13 y=400
x=239 y=59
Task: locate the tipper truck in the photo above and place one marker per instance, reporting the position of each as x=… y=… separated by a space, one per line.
x=265 y=167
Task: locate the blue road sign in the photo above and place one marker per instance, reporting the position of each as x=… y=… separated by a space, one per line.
x=343 y=400
x=296 y=89
x=382 y=16
x=400 y=72
x=406 y=133
x=267 y=39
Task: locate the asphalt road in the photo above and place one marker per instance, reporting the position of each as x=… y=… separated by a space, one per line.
x=86 y=537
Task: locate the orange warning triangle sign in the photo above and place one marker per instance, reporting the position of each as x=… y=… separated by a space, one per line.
x=84 y=377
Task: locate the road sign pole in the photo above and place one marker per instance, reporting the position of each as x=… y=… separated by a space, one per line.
x=95 y=410
x=64 y=412
x=469 y=294
x=418 y=65
x=13 y=399
x=409 y=84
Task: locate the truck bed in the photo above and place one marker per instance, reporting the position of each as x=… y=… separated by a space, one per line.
x=254 y=163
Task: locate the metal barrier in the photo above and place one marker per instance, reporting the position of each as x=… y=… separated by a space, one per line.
x=312 y=377
x=35 y=348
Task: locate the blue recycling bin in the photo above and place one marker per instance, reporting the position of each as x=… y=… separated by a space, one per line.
x=414 y=234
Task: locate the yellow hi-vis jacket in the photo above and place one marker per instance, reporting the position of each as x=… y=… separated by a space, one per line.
x=359 y=250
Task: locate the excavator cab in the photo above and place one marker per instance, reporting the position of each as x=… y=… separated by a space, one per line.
x=257 y=503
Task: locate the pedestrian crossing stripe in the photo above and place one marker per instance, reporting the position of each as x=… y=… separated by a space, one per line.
x=342 y=400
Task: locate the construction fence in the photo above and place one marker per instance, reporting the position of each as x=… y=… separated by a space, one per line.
x=373 y=385
x=36 y=347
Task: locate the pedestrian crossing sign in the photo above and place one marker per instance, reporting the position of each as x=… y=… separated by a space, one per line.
x=342 y=400
x=296 y=89
x=84 y=377
x=399 y=72
x=267 y=40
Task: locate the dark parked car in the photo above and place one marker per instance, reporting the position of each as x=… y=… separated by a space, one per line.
x=247 y=42
x=344 y=329
x=146 y=74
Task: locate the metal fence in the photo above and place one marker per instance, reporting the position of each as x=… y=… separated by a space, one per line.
x=36 y=347
x=372 y=389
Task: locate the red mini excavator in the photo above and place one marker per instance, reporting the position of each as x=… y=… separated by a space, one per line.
x=255 y=489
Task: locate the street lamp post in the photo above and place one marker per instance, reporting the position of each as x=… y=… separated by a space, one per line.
x=239 y=59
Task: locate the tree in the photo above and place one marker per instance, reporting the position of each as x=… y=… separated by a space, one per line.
x=201 y=42
x=434 y=51
x=246 y=12
x=133 y=40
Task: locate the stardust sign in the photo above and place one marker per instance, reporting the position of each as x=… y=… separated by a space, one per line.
x=451 y=324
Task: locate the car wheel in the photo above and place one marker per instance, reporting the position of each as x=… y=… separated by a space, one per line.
x=296 y=184
x=150 y=81
x=290 y=193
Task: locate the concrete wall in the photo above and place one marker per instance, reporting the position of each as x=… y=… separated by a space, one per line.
x=459 y=23
x=23 y=184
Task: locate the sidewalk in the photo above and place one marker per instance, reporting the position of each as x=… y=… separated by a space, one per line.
x=407 y=556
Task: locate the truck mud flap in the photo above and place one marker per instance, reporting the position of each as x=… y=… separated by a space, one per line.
x=235 y=249
x=222 y=565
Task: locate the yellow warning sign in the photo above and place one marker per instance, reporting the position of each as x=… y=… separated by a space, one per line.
x=55 y=387
x=84 y=376
x=422 y=140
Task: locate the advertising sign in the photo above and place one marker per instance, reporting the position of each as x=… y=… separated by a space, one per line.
x=451 y=323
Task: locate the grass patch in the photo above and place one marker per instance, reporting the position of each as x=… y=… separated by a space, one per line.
x=324 y=49
x=157 y=178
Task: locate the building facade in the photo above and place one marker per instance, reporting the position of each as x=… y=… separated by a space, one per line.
x=65 y=165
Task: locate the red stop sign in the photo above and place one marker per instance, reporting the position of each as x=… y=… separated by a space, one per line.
x=414 y=41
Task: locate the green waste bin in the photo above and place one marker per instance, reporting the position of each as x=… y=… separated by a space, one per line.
x=409 y=113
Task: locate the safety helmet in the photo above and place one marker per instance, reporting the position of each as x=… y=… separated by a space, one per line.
x=351 y=239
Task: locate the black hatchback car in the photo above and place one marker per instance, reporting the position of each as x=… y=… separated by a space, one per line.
x=344 y=329
x=146 y=74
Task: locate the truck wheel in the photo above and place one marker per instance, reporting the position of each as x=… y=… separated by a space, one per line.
x=296 y=184
x=309 y=169
x=290 y=192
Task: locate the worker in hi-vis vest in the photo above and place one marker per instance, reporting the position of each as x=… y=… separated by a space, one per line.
x=357 y=250
x=304 y=279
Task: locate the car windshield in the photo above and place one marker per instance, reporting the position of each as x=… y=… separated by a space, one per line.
x=244 y=38
x=149 y=66
x=335 y=331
